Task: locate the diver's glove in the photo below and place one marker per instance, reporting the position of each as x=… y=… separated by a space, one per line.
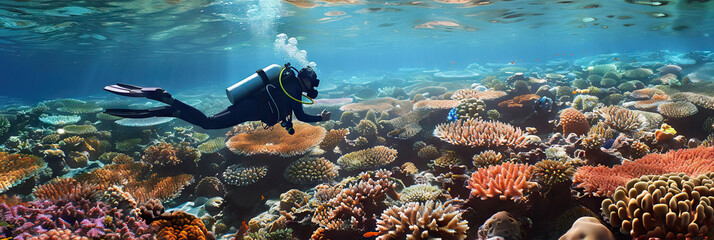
x=325 y=115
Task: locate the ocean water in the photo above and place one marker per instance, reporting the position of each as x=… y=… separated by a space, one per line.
x=448 y=119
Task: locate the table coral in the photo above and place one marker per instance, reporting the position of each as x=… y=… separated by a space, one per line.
x=462 y=94
x=277 y=141
x=15 y=168
x=679 y=109
x=436 y=104
x=480 y=133
x=505 y=182
x=368 y=158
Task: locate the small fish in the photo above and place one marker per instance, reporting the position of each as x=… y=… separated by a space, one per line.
x=537 y=60
x=262 y=197
x=243 y=229
x=614 y=59
x=531 y=130
x=370 y=234
x=512 y=63
x=634 y=60
x=579 y=91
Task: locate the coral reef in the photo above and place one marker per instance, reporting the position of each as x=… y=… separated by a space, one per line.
x=368 y=158
x=210 y=187
x=505 y=182
x=420 y=193
x=462 y=94
x=549 y=172
x=621 y=118
x=59 y=120
x=436 y=104
x=480 y=133
x=79 y=129
x=15 y=168
x=278 y=141
x=309 y=170
x=471 y=108
x=487 y=158
x=212 y=146
x=180 y=225
x=574 y=121
x=679 y=109
x=333 y=138
x=422 y=221
x=237 y=175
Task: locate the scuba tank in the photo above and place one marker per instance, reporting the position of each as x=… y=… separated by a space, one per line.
x=253 y=83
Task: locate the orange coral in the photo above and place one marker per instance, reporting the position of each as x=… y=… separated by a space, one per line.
x=15 y=168
x=602 y=181
x=480 y=133
x=574 y=121
x=163 y=154
x=277 y=142
x=518 y=101
x=65 y=188
x=436 y=104
x=505 y=181
x=646 y=93
x=462 y=94
x=180 y=226
x=379 y=105
x=333 y=138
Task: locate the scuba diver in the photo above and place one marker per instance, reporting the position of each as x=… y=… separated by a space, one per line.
x=270 y=95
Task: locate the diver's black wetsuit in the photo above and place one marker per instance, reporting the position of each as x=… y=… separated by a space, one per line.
x=269 y=105
x=250 y=109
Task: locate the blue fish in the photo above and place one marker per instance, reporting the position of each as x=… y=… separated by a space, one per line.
x=543 y=104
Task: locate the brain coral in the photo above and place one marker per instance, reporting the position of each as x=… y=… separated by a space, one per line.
x=310 y=170
x=480 y=133
x=15 y=168
x=277 y=142
x=602 y=181
x=669 y=206
x=368 y=158
x=422 y=221
x=505 y=181
x=181 y=225
x=679 y=109
x=574 y=121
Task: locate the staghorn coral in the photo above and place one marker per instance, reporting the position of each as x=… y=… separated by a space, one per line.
x=212 y=146
x=679 y=109
x=368 y=158
x=480 y=133
x=487 y=158
x=15 y=168
x=447 y=159
x=277 y=142
x=573 y=121
x=549 y=172
x=622 y=119
x=422 y=221
x=79 y=129
x=602 y=181
x=237 y=175
x=462 y=94
x=420 y=193
x=162 y=154
x=471 y=108
x=669 y=206
x=333 y=138
x=310 y=171
x=505 y=182
x=180 y=225
x=209 y=187
x=436 y=104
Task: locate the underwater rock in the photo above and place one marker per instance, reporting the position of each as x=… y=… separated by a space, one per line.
x=501 y=225
x=588 y=228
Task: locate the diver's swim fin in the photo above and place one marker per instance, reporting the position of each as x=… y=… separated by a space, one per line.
x=128 y=90
x=163 y=111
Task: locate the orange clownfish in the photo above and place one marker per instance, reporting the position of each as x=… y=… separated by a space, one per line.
x=370 y=234
x=262 y=197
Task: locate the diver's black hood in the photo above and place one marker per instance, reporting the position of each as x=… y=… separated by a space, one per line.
x=310 y=75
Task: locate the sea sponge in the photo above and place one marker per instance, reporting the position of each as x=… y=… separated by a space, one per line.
x=180 y=225
x=588 y=228
x=420 y=193
x=209 y=187
x=480 y=133
x=505 y=182
x=622 y=119
x=549 y=172
x=679 y=109
x=421 y=221
x=574 y=121
x=212 y=146
x=665 y=206
x=333 y=138
x=487 y=158
x=310 y=171
x=368 y=158
x=237 y=175
x=277 y=142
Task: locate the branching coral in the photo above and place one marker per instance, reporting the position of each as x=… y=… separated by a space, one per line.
x=621 y=118
x=487 y=158
x=480 y=133
x=368 y=158
x=15 y=168
x=420 y=193
x=180 y=225
x=162 y=154
x=310 y=170
x=574 y=121
x=447 y=159
x=549 y=172
x=427 y=220
x=428 y=152
x=602 y=181
x=505 y=182
x=669 y=206
x=237 y=175
x=333 y=138
x=66 y=189
x=277 y=142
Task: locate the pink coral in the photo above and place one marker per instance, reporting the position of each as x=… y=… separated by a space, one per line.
x=505 y=181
